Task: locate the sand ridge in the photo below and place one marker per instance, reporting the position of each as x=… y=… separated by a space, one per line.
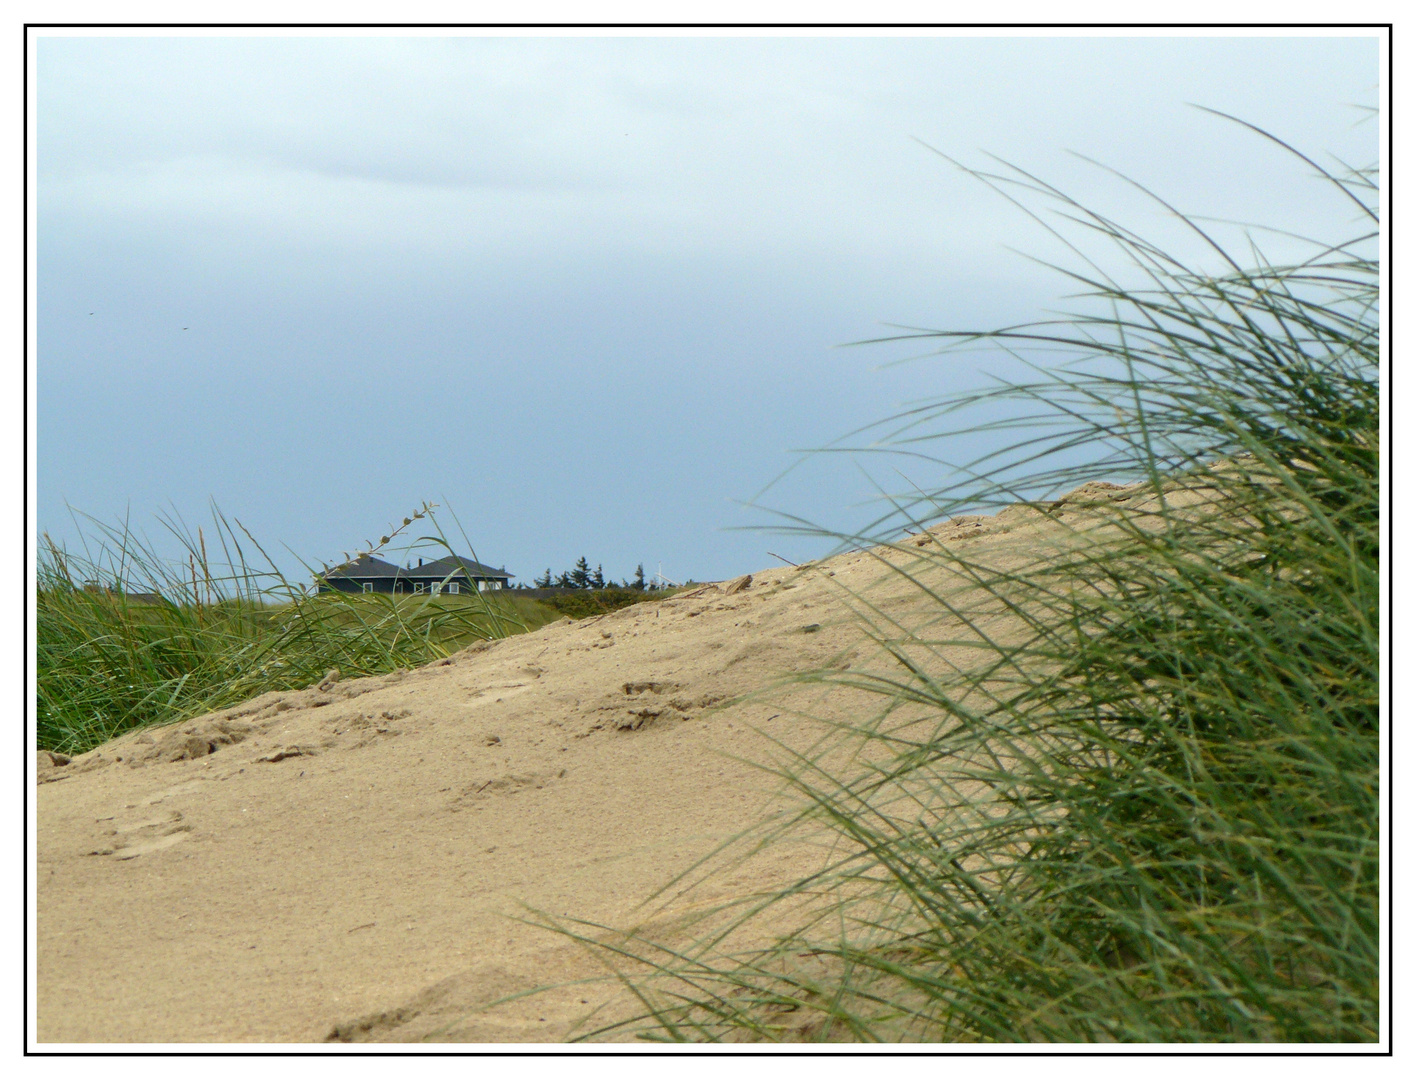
x=340 y=862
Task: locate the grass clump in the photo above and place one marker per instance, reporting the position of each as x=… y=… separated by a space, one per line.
x=126 y=638
x=1127 y=791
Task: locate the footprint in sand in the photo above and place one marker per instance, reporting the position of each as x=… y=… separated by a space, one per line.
x=143 y=836
x=147 y=847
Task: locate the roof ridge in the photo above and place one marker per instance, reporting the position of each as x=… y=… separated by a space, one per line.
x=454 y=563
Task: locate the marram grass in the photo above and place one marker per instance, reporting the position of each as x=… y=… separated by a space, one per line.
x=127 y=638
x=1152 y=814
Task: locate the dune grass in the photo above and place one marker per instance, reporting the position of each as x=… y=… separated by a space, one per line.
x=128 y=638
x=1151 y=812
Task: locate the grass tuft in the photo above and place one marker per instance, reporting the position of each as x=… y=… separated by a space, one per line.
x=127 y=638
x=1126 y=790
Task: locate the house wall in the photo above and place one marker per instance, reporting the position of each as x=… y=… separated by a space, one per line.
x=353 y=585
x=465 y=586
x=386 y=585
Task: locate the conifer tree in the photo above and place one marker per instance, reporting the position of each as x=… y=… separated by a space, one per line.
x=580 y=576
x=597 y=581
x=638 y=582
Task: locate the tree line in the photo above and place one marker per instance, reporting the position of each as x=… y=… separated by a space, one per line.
x=580 y=576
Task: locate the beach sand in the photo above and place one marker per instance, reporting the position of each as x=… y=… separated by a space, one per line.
x=356 y=860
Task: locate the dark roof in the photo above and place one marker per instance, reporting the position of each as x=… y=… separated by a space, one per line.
x=366 y=566
x=455 y=564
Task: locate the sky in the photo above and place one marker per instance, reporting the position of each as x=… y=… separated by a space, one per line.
x=595 y=295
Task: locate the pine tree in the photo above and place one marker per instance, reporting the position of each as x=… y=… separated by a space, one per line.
x=597 y=581
x=638 y=582
x=544 y=581
x=580 y=576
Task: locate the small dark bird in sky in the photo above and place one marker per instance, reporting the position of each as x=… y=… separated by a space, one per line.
x=90 y=312
x=184 y=328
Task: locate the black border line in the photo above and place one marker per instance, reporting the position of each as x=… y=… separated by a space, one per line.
x=1197 y=1050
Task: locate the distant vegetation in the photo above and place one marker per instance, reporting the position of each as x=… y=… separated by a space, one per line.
x=583 y=603
x=590 y=593
x=127 y=638
x=580 y=576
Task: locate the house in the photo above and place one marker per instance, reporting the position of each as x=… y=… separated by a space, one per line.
x=452 y=574
x=455 y=574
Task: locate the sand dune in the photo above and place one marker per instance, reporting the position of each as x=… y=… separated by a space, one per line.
x=347 y=861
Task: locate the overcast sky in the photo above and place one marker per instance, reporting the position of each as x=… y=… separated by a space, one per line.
x=587 y=291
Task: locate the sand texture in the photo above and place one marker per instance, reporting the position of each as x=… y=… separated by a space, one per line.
x=346 y=861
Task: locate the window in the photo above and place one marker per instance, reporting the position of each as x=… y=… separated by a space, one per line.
x=417 y=586
x=398 y=586
x=452 y=587
x=437 y=587
x=368 y=586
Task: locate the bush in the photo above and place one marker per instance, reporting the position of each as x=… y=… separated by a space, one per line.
x=586 y=602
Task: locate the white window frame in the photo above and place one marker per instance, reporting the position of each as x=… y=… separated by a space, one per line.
x=452 y=587
x=418 y=586
x=368 y=586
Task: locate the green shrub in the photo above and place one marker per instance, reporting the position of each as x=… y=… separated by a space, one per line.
x=583 y=603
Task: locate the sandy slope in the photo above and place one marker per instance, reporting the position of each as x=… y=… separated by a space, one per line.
x=340 y=862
